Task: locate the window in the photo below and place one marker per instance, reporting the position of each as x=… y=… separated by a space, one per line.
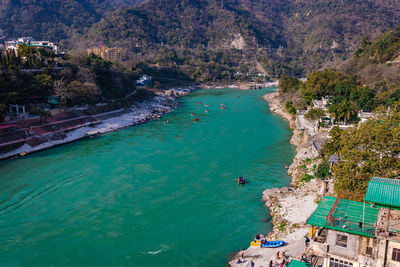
x=339 y=263
x=369 y=251
x=396 y=254
x=341 y=240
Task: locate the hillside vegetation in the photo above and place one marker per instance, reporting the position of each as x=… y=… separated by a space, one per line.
x=223 y=36
x=283 y=36
x=53 y=19
x=369 y=81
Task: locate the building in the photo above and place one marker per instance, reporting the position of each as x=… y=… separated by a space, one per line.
x=144 y=81
x=14 y=44
x=359 y=234
x=364 y=116
x=296 y=263
x=323 y=103
x=114 y=54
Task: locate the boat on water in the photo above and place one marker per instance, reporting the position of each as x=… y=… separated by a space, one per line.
x=241 y=180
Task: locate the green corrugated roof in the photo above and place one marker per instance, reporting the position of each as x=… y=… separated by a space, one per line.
x=296 y=263
x=348 y=210
x=383 y=191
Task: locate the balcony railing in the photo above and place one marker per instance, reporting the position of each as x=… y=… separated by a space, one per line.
x=352 y=226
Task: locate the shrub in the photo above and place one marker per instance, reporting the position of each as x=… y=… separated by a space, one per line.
x=307 y=177
x=323 y=170
x=290 y=108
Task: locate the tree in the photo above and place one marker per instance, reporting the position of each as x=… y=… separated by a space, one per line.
x=321 y=83
x=288 y=83
x=333 y=145
x=42 y=84
x=335 y=112
x=372 y=149
x=290 y=108
x=58 y=90
x=315 y=114
x=364 y=97
x=79 y=93
x=347 y=110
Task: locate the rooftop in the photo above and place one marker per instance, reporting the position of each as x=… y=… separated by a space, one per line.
x=346 y=216
x=334 y=159
x=296 y=263
x=384 y=191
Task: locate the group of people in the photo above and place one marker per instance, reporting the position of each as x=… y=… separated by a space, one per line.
x=241 y=180
x=280 y=261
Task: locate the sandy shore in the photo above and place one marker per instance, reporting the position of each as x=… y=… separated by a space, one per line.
x=290 y=207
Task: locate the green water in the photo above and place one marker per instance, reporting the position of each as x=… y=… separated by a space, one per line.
x=153 y=195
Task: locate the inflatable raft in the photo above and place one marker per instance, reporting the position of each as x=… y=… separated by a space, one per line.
x=272 y=244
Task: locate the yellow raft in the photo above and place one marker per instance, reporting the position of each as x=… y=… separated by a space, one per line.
x=256 y=243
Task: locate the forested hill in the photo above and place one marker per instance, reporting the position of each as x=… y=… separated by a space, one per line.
x=311 y=33
x=54 y=19
x=293 y=36
x=184 y=24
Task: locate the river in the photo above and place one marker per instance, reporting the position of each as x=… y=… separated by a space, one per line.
x=151 y=195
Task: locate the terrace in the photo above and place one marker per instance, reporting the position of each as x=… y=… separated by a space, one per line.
x=345 y=215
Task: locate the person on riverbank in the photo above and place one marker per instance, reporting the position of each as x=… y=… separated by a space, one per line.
x=252 y=264
x=277 y=255
x=270 y=263
x=307 y=241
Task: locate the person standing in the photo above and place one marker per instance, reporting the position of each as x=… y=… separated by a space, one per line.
x=277 y=255
x=252 y=264
x=307 y=241
x=270 y=263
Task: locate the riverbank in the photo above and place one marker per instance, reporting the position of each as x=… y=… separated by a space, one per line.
x=241 y=85
x=138 y=113
x=291 y=206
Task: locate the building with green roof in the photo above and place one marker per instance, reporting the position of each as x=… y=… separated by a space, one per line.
x=384 y=192
x=358 y=234
x=347 y=216
x=296 y=263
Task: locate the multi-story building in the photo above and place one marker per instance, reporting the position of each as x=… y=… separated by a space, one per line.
x=115 y=54
x=359 y=234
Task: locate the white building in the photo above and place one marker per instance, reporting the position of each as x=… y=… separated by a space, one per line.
x=13 y=44
x=323 y=103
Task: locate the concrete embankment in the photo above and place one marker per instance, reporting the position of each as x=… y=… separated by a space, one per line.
x=107 y=122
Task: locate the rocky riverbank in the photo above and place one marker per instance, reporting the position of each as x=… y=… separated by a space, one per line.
x=290 y=206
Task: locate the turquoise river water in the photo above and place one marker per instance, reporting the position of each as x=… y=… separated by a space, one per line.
x=152 y=195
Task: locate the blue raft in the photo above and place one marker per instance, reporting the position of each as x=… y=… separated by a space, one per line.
x=272 y=244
